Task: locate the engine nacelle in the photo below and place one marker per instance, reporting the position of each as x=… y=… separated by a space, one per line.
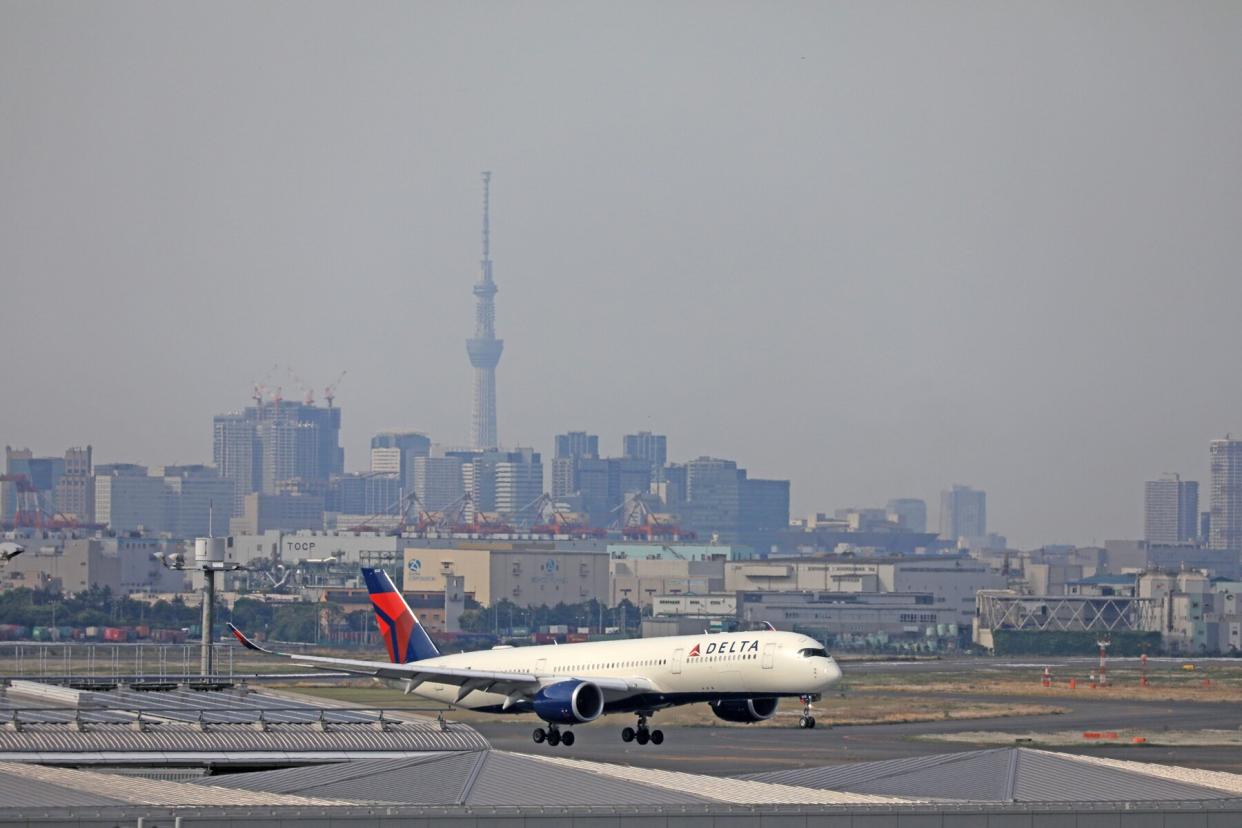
x=569 y=702
x=746 y=711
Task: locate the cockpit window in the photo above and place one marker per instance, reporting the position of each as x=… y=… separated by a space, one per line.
x=813 y=652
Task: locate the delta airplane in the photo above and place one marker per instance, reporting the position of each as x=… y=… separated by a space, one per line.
x=742 y=676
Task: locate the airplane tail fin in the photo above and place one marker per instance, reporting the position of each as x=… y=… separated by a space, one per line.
x=405 y=638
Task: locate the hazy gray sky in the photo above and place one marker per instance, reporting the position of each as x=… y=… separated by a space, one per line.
x=876 y=248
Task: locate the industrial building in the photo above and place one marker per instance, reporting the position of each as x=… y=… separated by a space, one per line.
x=640 y=580
x=953 y=580
x=845 y=619
x=528 y=574
x=125 y=565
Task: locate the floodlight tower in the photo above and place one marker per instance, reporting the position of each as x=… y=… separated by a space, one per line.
x=484 y=348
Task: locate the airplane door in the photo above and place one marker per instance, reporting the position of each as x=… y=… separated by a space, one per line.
x=768 y=650
x=677 y=660
x=541 y=666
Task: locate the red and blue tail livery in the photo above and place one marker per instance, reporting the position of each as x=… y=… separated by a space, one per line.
x=405 y=638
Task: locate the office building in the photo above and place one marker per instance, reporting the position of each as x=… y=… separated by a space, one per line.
x=372 y=493
x=577 y=444
x=438 y=481
x=75 y=490
x=198 y=501
x=909 y=513
x=1171 y=510
x=763 y=509
x=127 y=499
x=571 y=449
x=604 y=483
x=289 y=512
x=963 y=513
x=393 y=452
x=652 y=448
x=712 y=501
x=1226 y=504
x=518 y=480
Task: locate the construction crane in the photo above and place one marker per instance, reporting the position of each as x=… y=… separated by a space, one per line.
x=329 y=393
x=308 y=393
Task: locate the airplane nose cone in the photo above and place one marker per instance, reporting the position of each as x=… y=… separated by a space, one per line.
x=832 y=673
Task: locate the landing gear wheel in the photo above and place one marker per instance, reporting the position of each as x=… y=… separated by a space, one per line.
x=539 y=735
x=567 y=738
x=657 y=737
x=810 y=722
x=806 y=722
x=627 y=734
x=643 y=736
x=554 y=738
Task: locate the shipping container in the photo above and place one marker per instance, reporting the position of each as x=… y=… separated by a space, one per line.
x=115 y=634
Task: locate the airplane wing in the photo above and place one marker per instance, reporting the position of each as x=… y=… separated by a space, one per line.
x=469 y=680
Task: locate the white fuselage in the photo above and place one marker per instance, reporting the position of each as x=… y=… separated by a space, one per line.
x=679 y=668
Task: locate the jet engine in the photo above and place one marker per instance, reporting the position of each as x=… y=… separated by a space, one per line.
x=569 y=702
x=746 y=711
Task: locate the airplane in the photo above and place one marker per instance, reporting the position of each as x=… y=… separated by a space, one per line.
x=742 y=676
x=9 y=551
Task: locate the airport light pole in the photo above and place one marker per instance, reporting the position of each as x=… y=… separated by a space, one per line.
x=209 y=558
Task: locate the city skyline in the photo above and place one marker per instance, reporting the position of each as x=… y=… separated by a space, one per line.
x=870 y=253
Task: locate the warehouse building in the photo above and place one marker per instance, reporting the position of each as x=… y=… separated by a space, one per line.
x=528 y=574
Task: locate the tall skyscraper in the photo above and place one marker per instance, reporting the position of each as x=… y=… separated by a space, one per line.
x=484 y=348
x=650 y=447
x=963 y=513
x=1226 y=525
x=1171 y=510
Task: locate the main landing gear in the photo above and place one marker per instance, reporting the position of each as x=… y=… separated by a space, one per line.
x=642 y=735
x=807 y=722
x=553 y=736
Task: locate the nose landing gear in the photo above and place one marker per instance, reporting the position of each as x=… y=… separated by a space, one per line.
x=553 y=736
x=642 y=735
x=807 y=721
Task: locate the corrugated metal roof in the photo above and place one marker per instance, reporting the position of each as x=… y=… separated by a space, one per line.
x=1011 y=775
x=98 y=788
x=20 y=792
x=520 y=779
x=1230 y=783
x=287 y=738
x=740 y=791
x=434 y=779
x=482 y=778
